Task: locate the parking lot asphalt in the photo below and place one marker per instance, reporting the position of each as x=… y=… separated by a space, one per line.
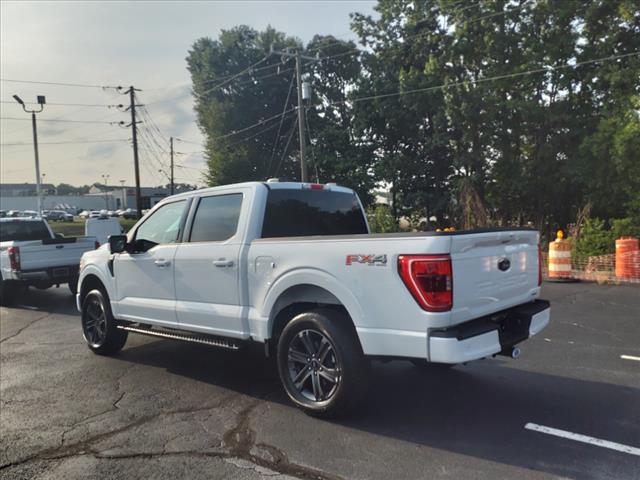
x=165 y=409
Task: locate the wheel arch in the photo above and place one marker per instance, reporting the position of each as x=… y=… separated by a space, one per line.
x=90 y=282
x=303 y=291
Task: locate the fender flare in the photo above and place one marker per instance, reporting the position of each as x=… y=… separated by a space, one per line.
x=314 y=277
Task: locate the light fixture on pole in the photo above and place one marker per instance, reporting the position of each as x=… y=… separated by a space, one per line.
x=41 y=102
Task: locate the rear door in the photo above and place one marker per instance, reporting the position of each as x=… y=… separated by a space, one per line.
x=208 y=265
x=493 y=271
x=144 y=279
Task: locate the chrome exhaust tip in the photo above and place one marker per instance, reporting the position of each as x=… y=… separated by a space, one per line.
x=513 y=352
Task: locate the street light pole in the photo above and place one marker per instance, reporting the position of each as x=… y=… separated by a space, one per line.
x=105 y=179
x=41 y=102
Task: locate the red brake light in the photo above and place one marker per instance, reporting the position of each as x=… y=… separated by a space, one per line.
x=313 y=186
x=539 y=265
x=14 y=257
x=429 y=278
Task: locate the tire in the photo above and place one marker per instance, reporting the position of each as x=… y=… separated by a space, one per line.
x=321 y=364
x=7 y=293
x=98 y=325
x=425 y=365
x=73 y=284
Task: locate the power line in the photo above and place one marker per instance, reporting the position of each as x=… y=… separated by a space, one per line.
x=481 y=80
x=57 y=120
x=83 y=85
x=109 y=140
x=284 y=152
x=221 y=84
x=50 y=104
x=277 y=139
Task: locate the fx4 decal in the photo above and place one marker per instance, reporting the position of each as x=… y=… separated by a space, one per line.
x=373 y=259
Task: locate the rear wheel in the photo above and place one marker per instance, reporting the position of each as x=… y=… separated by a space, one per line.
x=98 y=325
x=321 y=364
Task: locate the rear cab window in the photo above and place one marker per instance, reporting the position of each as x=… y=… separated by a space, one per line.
x=306 y=212
x=19 y=231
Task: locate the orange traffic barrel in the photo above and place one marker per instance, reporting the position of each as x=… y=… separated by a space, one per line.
x=627 y=258
x=560 y=259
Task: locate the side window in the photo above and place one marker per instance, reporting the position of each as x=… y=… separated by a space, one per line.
x=216 y=218
x=164 y=225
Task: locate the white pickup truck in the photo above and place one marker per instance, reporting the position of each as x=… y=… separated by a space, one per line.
x=32 y=255
x=294 y=266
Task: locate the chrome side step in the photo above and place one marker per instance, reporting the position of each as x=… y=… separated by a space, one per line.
x=185 y=337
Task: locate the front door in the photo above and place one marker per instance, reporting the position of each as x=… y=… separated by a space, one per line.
x=207 y=267
x=145 y=286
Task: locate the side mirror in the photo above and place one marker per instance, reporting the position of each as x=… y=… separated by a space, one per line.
x=117 y=243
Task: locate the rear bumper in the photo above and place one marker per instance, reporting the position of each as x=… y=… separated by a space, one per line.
x=52 y=275
x=488 y=335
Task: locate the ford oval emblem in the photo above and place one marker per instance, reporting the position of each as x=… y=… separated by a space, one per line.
x=504 y=264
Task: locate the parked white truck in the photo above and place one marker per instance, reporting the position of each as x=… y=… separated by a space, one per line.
x=32 y=255
x=294 y=266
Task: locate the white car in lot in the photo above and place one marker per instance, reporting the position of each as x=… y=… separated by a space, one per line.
x=32 y=255
x=293 y=266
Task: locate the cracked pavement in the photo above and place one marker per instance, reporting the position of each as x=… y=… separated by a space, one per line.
x=165 y=409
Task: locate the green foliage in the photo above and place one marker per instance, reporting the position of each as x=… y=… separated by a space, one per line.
x=415 y=110
x=597 y=238
x=381 y=219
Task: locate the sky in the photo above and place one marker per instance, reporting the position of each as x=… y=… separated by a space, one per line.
x=113 y=44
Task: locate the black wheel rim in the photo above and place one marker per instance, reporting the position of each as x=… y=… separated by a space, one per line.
x=94 y=322
x=313 y=366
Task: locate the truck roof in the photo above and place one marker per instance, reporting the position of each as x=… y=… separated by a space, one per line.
x=20 y=219
x=270 y=184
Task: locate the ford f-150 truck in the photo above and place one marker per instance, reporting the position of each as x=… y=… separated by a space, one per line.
x=32 y=255
x=294 y=266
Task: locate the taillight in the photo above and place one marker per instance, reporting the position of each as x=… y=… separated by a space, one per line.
x=313 y=186
x=429 y=279
x=539 y=265
x=14 y=257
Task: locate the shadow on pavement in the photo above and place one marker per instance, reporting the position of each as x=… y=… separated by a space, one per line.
x=479 y=410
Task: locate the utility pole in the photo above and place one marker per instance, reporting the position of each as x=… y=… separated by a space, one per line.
x=134 y=130
x=41 y=102
x=172 y=182
x=301 y=127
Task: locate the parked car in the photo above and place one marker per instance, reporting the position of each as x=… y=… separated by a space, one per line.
x=293 y=266
x=32 y=255
x=84 y=214
x=57 y=216
x=129 y=213
x=94 y=214
x=3 y=213
x=28 y=214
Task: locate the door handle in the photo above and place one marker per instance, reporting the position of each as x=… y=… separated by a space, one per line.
x=223 y=262
x=162 y=263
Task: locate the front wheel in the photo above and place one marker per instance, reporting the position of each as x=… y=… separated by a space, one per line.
x=98 y=325
x=321 y=363
x=73 y=284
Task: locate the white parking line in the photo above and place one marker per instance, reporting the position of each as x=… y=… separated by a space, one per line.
x=630 y=357
x=583 y=438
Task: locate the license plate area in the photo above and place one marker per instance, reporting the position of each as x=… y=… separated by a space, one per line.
x=60 y=272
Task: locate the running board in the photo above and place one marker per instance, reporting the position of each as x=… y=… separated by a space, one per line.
x=185 y=337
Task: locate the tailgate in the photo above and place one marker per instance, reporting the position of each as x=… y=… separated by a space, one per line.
x=36 y=256
x=493 y=271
